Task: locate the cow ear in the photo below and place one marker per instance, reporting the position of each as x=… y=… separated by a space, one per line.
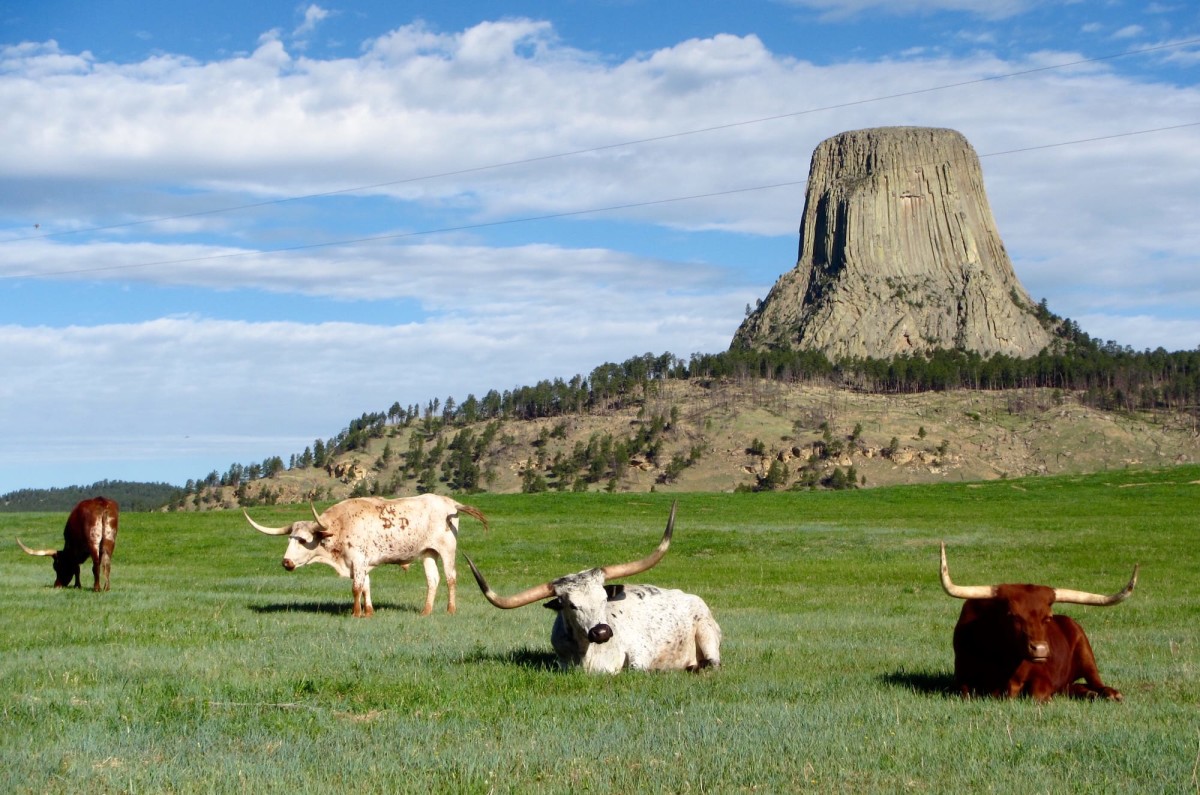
x=615 y=592
x=321 y=532
x=554 y=604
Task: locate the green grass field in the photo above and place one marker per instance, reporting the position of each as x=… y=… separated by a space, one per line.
x=208 y=668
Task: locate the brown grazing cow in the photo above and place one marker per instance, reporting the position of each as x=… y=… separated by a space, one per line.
x=91 y=531
x=1008 y=643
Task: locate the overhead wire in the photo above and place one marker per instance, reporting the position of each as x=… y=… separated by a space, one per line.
x=607 y=147
x=545 y=217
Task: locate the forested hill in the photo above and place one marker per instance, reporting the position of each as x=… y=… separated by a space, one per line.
x=129 y=496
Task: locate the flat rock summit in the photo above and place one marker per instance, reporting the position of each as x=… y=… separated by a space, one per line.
x=899 y=253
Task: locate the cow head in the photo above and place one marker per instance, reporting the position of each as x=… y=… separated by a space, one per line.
x=304 y=538
x=1027 y=609
x=65 y=570
x=582 y=598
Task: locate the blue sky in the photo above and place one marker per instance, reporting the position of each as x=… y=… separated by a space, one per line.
x=226 y=229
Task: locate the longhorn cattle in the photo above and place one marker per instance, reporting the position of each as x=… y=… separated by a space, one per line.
x=358 y=534
x=606 y=628
x=1008 y=643
x=90 y=532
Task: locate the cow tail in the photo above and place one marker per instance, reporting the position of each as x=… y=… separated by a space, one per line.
x=474 y=512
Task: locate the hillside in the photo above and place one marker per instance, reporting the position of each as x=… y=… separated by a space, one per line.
x=720 y=435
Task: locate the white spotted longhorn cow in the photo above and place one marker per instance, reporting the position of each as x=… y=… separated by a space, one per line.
x=606 y=628
x=358 y=534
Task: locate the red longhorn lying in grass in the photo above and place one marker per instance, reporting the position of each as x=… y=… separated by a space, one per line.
x=606 y=628
x=90 y=532
x=356 y=535
x=1007 y=642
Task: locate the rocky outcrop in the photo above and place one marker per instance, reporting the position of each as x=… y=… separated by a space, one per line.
x=899 y=253
x=346 y=471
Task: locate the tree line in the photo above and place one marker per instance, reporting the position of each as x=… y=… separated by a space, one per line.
x=1105 y=376
x=130 y=496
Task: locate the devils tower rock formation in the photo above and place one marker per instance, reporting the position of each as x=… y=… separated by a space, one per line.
x=899 y=253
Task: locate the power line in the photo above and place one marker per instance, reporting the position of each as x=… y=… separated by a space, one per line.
x=544 y=217
x=607 y=147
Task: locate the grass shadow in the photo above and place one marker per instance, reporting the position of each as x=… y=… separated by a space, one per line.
x=533 y=659
x=925 y=682
x=326 y=608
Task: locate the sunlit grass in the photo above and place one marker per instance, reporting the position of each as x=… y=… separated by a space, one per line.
x=208 y=668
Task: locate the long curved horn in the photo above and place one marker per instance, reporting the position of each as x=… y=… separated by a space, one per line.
x=316 y=516
x=528 y=596
x=39 y=552
x=1065 y=595
x=963 y=591
x=638 y=566
x=271 y=531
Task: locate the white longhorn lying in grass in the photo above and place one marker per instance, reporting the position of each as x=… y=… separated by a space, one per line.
x=606 y=628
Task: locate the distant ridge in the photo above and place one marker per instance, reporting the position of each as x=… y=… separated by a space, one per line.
x=899 y=254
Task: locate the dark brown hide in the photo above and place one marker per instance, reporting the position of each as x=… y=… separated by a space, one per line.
x=1012 y=644
x=90 y=532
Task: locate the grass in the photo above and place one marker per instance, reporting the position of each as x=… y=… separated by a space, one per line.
x=208 y=668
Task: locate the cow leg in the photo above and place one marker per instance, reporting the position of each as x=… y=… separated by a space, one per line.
x=368 y=608
x=361 y=587
x=451 y=583
x=106 y=551
x=96 y=568
x=431 y=582
x=708 y=644
x=1085 y=666
x=1018 y=680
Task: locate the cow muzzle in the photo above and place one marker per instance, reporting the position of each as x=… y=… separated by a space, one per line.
x=1038 y=651
x=289 y=565
x=601 y=633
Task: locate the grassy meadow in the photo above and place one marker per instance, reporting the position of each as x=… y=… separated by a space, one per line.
x=208 y=668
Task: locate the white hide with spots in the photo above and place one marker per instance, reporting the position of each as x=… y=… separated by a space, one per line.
x=358 y=534
x=650 y=628
x=607 y=628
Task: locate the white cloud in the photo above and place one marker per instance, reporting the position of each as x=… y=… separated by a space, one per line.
x=838 y=9
x=1129 y=32
x=171 y=387
x=313 y=16
x=1144 y=332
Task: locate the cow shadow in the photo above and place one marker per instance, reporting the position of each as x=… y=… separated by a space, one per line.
x=929 y=683
x=529 y=658
x=327 y=608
